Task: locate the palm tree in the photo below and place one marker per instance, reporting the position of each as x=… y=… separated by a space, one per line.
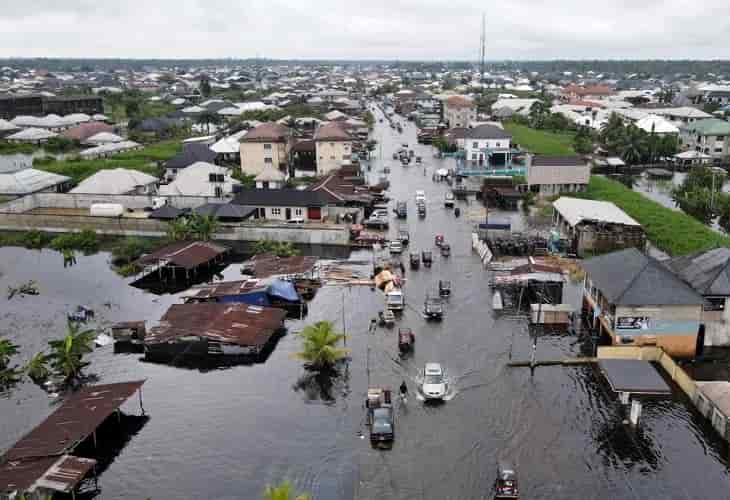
x=203 y=226
x=633 y=145
x=67 y=354
x=283 y=491
x=208 y=117
x=37 y=368
x=178 y=230
x=319 y=346
x=7 y=351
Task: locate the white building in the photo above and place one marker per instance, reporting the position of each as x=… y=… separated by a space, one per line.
x=201 y=179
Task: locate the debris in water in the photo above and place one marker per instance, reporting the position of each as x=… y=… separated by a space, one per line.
x=28 y=288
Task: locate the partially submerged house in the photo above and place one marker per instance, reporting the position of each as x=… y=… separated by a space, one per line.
x=635 y=300
x=23 y=181
x=708 y=273
x=596 y=226
x=285 y=204
x=213 y=329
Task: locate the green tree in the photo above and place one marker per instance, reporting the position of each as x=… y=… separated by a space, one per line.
x=278 y=248
x=633 y=147
x=67 y=354
x=538 y=112
x=284 y=491
x=205 y=89
x=9 y=375
x=37 y=368
x=583 y=141
x=207 y=118
x=203 y=227
x=319 y=346
x=131 y=108
x=179 y=230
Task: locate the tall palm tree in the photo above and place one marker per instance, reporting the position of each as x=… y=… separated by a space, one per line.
x=633 y=145
x=283 y=491
x=208 y=117
x=319 y=343
x=67 y=354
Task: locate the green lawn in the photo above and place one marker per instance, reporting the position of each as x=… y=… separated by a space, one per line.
x=142 y=160
x=541 y=141
x=672 y=231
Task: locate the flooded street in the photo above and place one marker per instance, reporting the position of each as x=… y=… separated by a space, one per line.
x=226 y=433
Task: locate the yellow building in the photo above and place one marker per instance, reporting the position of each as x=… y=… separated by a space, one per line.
x=333 y=147
x=265 y=147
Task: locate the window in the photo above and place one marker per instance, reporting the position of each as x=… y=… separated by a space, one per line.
x=275 y=211
x=267 y=146
x=475 y=145
x=498 y=145
x=720 y=138
x=218 y=192
x=332 y=157
x=297 y=211
x=268 y=160
x=473 y=156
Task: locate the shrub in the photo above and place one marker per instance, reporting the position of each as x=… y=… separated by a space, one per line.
x=86 y=241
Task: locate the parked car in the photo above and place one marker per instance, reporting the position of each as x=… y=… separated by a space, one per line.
x=395 y=246
x=449 y=200
x=420 y=195
x=380 y=416
x=296 y=220
x=434 y=382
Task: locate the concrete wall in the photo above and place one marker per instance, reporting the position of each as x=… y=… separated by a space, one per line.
x=138 y=202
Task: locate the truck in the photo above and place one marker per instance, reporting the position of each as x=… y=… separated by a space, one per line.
x=381 y=418
x=394 y=300
x=106 y=210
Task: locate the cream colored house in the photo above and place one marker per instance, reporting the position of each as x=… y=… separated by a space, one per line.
x=551 y=175
x=459 y=111
x=333 y=147
x=265 y=147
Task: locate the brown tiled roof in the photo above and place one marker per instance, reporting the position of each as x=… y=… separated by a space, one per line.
x=267 y=132
x=231 y=323
x=587 y=90
x=457 y=101
x=331 y=132
x=83 y=131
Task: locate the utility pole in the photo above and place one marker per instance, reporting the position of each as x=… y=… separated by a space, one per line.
x=482 y=53
x=344 y=324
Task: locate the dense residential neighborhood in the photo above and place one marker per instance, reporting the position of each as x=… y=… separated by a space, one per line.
x=363 y=278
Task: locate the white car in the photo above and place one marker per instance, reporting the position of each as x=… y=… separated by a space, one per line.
x=420 y=196
x=434 y=382
x=396 y=246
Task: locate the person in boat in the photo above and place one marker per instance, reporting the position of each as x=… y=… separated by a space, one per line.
x=403 y=389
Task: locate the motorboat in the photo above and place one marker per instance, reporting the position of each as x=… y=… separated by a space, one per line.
x=406 y=340
x=505 y=486
x=434 y=382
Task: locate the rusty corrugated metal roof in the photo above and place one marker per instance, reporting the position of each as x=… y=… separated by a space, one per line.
x=268 y=264
x=240 y=324
x=185 y=254
x=80 y=414
x=225 y=288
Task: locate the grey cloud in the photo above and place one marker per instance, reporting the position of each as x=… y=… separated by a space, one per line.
x=392 y=29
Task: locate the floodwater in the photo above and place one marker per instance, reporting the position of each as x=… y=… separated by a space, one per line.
x=226 y=433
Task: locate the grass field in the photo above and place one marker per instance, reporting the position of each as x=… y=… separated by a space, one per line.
x=142 y=160
x=670 y=230
x=541 y=141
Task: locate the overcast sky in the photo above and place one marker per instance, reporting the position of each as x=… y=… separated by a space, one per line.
x=372 y=29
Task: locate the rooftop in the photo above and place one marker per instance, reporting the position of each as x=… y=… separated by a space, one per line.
x=630 y=278
x=331 y=131
x=114 y=181
x=240 y=324
x=557 y=161
x=265 y=265
x=487 y=132
x=280 y=197
x=185 y=254
x=267 y=132
x=576 y=210
x=633 y=376
x=710 y=126
x=707 y=272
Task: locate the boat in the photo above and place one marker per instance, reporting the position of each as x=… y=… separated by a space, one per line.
x=444 y=288
x=406 y=339
x=427 y=258
x=438 y=240
x=381 y=418
x=449 y=200
x=445 y=249
x=386 y=318
x=433 y=308
x=415 y=260
x=505 y=485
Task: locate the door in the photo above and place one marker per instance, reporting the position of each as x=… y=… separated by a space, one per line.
x=314 y=213
x=700 y=341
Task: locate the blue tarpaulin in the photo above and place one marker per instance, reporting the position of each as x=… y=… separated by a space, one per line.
x=284 y=290
x=257 y=298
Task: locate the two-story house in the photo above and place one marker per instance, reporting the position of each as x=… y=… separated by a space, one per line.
x=459 y=111
x=488 y=146
x=265 y=146
x=635 y=300
x=333 y=147
x=710 y=137
x=682 y=115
